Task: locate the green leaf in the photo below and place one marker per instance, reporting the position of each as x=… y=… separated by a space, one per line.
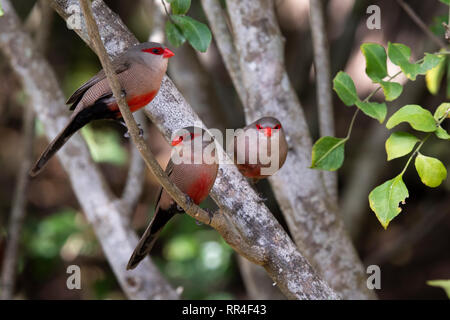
x=419 y=118
x=442 y=110
x=447 y=2
x=441 y=133
x=375 y=61
x=373 y=109
x=431 y=171
x=328 y=153
x=195 y=32
x=401 y=54
x=179 y=6
x=430 y=61
x=434 y=76
x=444 y=284
x=1 y=10
x=174 y=34
x=392 y=90
x=400 y=144
x=345 y=88
x=384 y=200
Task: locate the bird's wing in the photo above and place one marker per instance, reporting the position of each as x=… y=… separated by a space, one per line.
x=168 y=171
x=120 y=65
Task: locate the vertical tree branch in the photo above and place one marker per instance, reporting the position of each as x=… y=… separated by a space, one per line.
x=17 y=216
x=224 y=41
x=323 y=86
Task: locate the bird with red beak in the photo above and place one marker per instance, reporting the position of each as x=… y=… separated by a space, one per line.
x=140 y=70
x=260 y=149
x=194 y=178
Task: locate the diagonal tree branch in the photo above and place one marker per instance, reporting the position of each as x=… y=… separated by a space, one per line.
x=94 y=196
x=244 y=222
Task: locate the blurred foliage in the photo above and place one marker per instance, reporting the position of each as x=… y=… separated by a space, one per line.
x=196 y=258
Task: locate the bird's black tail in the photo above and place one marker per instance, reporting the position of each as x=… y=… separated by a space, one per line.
x=76 y=122
x=150 y=235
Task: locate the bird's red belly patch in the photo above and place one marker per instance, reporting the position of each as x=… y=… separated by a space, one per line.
x=136 y=102
x=199 y=190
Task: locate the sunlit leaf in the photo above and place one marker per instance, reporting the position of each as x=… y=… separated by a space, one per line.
x=434 y=76
x=345 y=88
x=375 y=61
x=400 y=55
x=444 y=108
x=431 y=171
x=400 y=144
x=328 y=153
x=384 y=200
x=391 y=90
x=418 y=117
x=373 y=109
x=441 y=133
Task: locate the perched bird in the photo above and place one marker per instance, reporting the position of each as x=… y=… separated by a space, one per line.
x=253 y=148
x=140 y=70
x=194 y=178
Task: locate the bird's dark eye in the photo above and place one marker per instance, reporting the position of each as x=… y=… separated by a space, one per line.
x=192 y=135
x=258 y=127
x=278 y=126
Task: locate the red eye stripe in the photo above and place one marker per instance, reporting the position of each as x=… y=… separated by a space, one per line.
x=259 y=127
x=158 y=50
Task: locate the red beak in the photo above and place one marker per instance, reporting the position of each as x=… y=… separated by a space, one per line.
x=268 y=132
x=167 y=53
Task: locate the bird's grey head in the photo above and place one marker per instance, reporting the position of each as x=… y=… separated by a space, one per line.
x=153 y=54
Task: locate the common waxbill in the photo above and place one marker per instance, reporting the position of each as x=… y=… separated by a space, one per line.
x=193 y=177
x=253 y=154
x=140 y=70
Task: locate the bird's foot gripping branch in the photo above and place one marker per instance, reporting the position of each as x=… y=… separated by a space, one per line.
x=328 y=152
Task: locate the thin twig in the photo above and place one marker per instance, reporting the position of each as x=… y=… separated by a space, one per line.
x=18 y=207
x=179 y=197
x=323 y=86
x=417 y=20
